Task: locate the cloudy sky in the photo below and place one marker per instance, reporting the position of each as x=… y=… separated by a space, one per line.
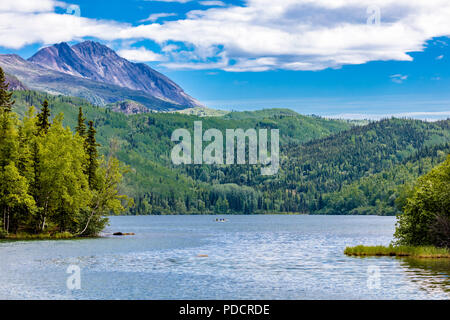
x=351 y=58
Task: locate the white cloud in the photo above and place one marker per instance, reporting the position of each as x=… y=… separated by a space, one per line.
x=20 y=29
x=140 y=55
x=211 y=3
x=440 y=57
x=259 y=35
x=29 y=5
x=169 y=48
x=155 y=16
x=398 y=78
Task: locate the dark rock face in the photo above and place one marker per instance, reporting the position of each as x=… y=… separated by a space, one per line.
x=129 y=107
x=14 y=83
x=97 y=62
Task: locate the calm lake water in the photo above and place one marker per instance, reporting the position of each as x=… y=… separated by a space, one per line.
x=248 y=257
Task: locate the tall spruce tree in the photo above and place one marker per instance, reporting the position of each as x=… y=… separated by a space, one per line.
x=6 y=101
x=91 y=150
x=81 y=126
x=44 y=118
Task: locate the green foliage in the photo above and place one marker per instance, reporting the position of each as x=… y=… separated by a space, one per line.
x=105 y=197
x=384 y=193
x=14 y=198
x=45 y=177
x=427 y=211
x=63 y=188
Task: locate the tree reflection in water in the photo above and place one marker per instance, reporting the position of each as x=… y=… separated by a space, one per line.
x=432 y=275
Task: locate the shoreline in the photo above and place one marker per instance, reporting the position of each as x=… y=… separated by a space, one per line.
x=41 y=236
x=59 y=236
x=427 y=252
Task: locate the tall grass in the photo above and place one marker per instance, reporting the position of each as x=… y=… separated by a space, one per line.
x=398 y=251
x=40 y=236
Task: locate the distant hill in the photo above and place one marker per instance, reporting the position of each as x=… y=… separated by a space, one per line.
x=96 y=73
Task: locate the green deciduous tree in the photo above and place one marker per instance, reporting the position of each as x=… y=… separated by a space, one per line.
x=64 y=189
x=427 y=211
x=15 y=201
x=106 y=197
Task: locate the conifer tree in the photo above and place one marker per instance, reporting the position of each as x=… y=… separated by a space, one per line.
x=92 y=153
x=44 y=118
x=6 y=101
x=81 y=127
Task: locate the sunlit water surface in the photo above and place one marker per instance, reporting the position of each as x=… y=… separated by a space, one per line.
x=247 y=257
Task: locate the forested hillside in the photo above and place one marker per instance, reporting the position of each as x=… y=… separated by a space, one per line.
x=327 y=166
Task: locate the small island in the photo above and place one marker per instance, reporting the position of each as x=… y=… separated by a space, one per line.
x=423 y=230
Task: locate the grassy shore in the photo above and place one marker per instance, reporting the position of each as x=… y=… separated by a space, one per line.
x=39 y=236
x=398 y=251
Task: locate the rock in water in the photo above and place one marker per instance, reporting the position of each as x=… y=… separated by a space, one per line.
x=123 y=234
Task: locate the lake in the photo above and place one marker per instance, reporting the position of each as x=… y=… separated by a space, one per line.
x=246 y=257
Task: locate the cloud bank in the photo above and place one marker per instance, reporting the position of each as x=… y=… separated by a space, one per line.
x=258 y=36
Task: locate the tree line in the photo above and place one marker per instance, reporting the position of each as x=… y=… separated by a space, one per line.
x=53 y=180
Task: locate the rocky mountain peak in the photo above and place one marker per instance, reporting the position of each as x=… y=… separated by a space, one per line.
x=95 y=61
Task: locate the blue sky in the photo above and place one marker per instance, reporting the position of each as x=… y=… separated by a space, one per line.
x=325 y=59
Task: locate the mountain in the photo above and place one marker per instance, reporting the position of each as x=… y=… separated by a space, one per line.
x=43 y=79
x=94 y=61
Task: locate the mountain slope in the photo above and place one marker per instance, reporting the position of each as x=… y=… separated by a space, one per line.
x=382 y=193
x=152 y=169
x=324 y=166
x=43 y=79
x=97 y=62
